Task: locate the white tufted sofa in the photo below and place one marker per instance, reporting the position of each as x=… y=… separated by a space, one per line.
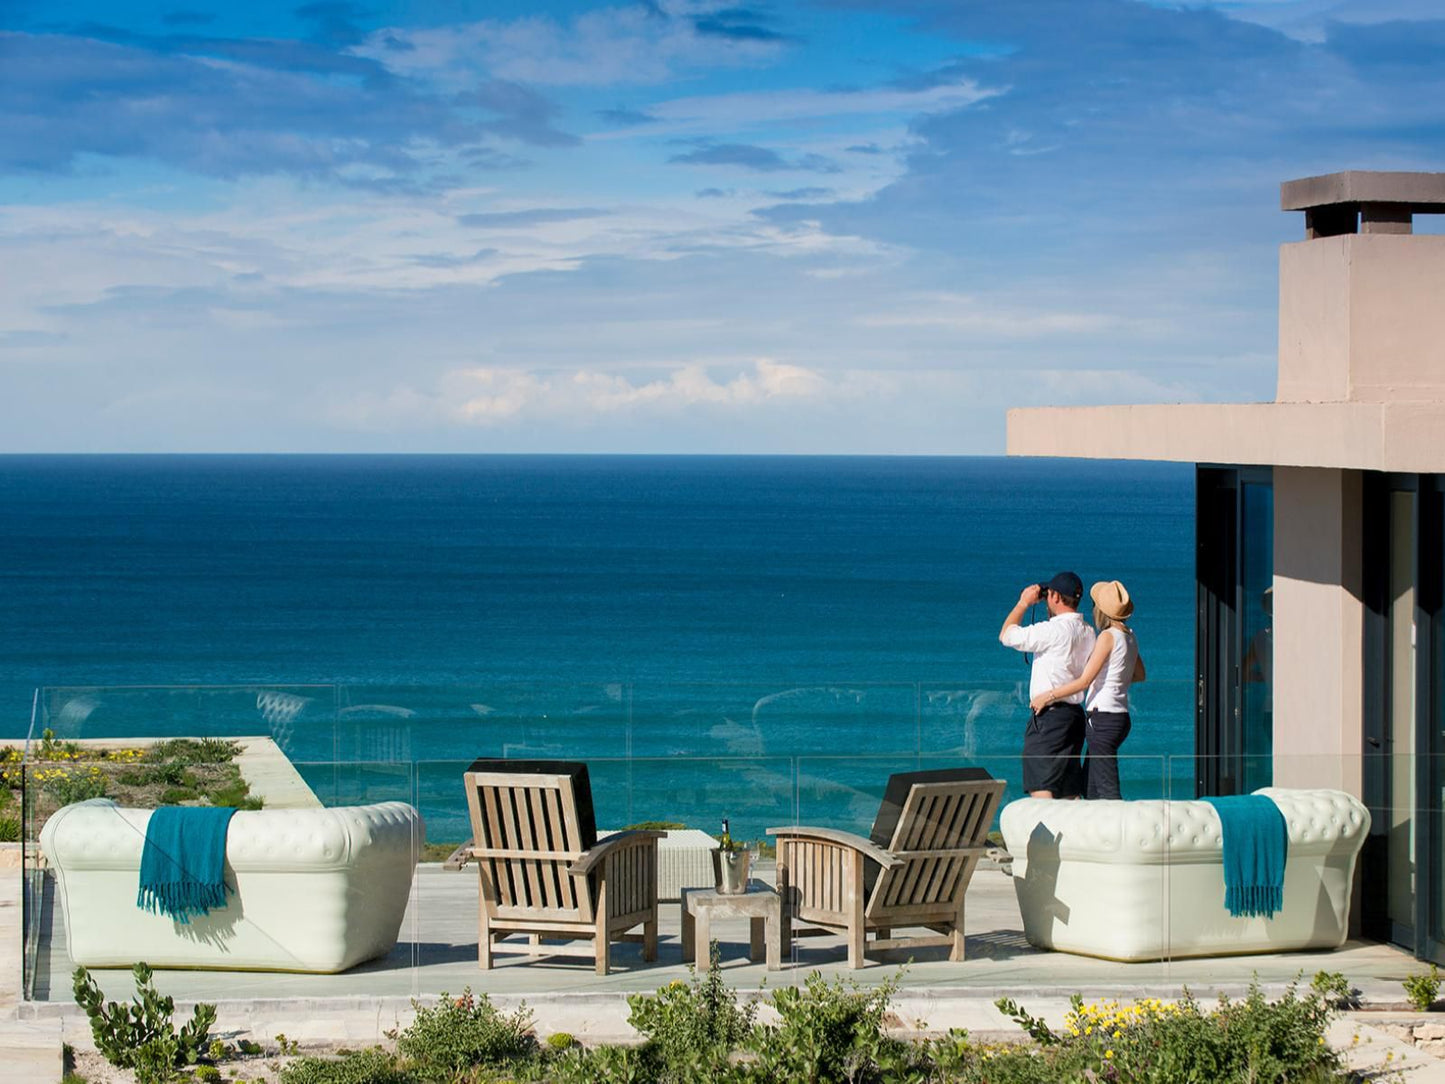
x=315 y=889
x=1144 y=880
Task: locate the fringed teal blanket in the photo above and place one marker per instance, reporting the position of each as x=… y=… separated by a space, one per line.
x=1256 y=845
x=182 y=868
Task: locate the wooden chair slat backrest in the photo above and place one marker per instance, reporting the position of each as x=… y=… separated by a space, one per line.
x=533 y=818
x=945 y=816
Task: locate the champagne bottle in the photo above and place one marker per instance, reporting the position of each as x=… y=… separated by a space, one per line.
x=726 y=842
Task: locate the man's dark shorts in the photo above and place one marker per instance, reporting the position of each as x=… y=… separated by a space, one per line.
x=1053 y=743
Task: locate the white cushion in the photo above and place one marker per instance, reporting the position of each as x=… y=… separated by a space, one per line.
x=1145 y=881
x=315 y=889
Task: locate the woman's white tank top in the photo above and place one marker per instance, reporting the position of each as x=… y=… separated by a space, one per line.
x=1110 y=690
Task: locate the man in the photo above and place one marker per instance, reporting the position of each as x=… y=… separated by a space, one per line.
x=1054 y=738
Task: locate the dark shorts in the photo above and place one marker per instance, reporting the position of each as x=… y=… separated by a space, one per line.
x=1053 y=741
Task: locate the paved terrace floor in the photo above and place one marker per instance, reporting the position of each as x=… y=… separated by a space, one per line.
x=437 y=952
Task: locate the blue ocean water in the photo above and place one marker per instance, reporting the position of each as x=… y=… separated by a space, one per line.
x=760 y=634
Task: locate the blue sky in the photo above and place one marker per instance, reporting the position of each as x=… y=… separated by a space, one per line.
x=668 y=226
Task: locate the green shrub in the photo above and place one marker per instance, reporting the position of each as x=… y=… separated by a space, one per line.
x=177 y=795
x=193 y=751
x=1153 y=1042
x=236 y=793
x=1422 y=990
x=9 y=827
x=458 y=1034
x=74 y=786
x=833 y=1031
x=692 y=1027
x=560 y=1040
x=374 y=1066
x=208 y=1074
x=1337 y=990
x=169 y=773
x=605 y=1065
x=141 y=1036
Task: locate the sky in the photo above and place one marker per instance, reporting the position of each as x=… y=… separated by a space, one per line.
x=673 y=226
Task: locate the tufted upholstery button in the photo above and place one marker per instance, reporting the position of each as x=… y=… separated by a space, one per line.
x=1150 y=831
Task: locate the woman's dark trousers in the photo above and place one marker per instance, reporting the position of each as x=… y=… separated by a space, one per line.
x=1106 y=731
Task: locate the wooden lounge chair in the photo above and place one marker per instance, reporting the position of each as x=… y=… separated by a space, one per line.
x=913 y=872
x=542 y=870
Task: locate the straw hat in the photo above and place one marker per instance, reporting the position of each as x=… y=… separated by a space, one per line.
x=1112 y=600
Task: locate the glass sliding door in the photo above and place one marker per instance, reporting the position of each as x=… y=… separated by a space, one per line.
x=1403 y=865
x=1234 y=651
x=1390 y=525
x=1400 y=714
x=1429 y=797
x=1256 y=582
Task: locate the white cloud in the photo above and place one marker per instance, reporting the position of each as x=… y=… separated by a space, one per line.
x=607 y=47
x=751 y=108
x=1307 y=19
x=971 y=315
x=489 y=396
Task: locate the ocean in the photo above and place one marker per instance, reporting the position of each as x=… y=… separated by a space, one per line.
x=756 y=637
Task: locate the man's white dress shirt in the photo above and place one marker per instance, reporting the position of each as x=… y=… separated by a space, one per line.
x=1061 y=648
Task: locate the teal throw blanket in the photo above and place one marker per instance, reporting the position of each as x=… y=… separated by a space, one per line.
x=182 y=868
x=1256 y=844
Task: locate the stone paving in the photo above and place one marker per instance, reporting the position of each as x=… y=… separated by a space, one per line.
x=437 y=952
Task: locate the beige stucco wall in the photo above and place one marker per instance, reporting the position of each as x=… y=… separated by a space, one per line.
x=1319 y=628
x=1397 y=318
x=1360 y=318
x=1314 y=321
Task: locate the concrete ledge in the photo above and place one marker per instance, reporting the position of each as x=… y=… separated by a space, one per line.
x=32 y=1052
x=1423 y=191
x=272 y=777
x=599 y=1017
x=265 y=768
x=1358 y=436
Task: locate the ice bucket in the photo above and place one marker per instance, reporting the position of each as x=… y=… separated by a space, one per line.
x=730 y=871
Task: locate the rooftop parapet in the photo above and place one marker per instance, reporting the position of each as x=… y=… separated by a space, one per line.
x=1363 y=201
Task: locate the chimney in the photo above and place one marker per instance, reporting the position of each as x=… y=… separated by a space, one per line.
x=1363 y=201
x=1362 y=298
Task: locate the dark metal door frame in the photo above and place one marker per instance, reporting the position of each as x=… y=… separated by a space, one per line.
x=1219 y=625
x=1429 y=716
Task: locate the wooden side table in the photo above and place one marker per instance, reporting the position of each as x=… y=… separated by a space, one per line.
x=761 y=905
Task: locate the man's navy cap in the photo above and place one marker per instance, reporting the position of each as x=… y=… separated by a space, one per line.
x=1067 y=584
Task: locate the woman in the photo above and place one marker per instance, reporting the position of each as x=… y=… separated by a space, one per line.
x=1114 y=666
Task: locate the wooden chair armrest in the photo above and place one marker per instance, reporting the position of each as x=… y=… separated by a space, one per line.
x=615 y=842
x=459 y=857
x=866 y=847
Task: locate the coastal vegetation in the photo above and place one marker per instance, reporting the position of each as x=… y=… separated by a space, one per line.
x=180 y=771
x=822 y=1032
x=1423 y=989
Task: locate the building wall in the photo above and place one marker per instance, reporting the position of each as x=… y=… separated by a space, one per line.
x=1360 y=319
x=1319 y=628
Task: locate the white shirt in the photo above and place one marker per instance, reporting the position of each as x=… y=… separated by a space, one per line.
x=1061 y=646
x=1110 y=690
